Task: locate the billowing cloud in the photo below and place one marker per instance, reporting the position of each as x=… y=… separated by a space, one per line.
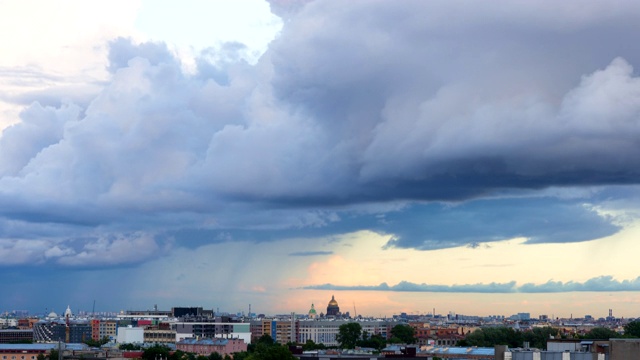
x=352 y=106
x=602 y=283
x=88 y=252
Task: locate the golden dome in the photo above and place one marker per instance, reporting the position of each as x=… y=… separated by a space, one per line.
x=333 y=301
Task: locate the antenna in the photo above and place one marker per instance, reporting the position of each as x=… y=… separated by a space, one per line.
x=355 y=313
x=93 y=311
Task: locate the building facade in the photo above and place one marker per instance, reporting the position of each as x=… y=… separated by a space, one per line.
x=212 y=329
x=58 y=330
x=14 y=336
x=208 y=346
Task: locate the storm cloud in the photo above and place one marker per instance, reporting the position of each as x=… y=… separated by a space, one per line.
x=353 y=104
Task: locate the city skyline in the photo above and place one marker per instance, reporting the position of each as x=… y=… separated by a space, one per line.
x=402 y=156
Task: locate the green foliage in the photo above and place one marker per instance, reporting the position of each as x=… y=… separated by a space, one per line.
x=156 y=352
x=601 y=333
x=310 y=345
x=538 y=337
x=97 y=343
x=489 y=337
x=213 y=356
x=375 y=341
x=266 y=339
x=129 y=347
x=41 y=357
x=242 y=355
x=53 y=354
x=178 y=355
x=632 y=329
x=270 y=352
x=349 y=334
x=404 y=333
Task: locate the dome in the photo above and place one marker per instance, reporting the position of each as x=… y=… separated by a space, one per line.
x=312 y=312
x=333 y=309
x=52 y=315
x=67 y=313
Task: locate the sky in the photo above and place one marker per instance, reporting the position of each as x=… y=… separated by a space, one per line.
x=467 y=157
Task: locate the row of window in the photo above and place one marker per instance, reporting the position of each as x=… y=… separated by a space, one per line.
x=22 y=357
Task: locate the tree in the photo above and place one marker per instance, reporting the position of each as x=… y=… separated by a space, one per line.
x=242 y=355
x=269 y=352
x=405 y=333
x=97 y=343
x=215 y=356
x=348 y=335
x=155 y=352
x=539 y=336
x=41 y=357
x=265 y=339
x=632 y=329
x=129 y=347
x=177 y=355
x=375 y=341
x=600 y=333
x=311 y=345
x=489 y=337
x=53 y=354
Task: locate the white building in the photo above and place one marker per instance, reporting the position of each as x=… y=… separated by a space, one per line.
x=130 y=335
x=325 y=331
x=212 y=330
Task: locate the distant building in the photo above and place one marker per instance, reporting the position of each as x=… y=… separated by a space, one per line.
x=624 y=349
x=312 y=312
x=179 y=312
x=159 y=336
x=74 y=331
x=24 y=351
x=15 y=336
x=130 y=335
x=333 y=309
x=325 y=331
x=208 y=346
x=212 y=328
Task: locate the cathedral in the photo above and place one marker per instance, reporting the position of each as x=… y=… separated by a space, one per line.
x=333 y=309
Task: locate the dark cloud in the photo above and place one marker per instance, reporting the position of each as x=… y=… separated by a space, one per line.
x=597 y=284
x=353 y=105
x=539 y=220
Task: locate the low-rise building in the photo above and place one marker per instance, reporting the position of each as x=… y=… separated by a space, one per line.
x=159 y=336
x=15 y=335
x=208 y=346
x=212 y=329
